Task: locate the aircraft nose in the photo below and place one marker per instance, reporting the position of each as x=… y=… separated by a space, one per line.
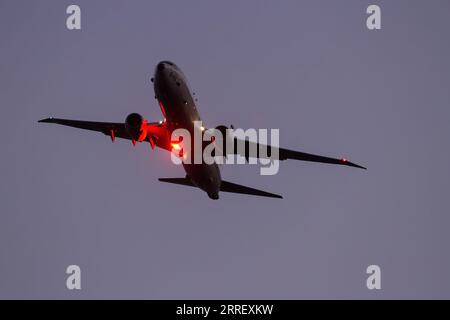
x=161 y=66
x=160 y=74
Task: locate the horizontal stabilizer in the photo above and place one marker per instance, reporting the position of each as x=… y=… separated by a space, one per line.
x=237 y=188
x=225 y=187
x=182 y=181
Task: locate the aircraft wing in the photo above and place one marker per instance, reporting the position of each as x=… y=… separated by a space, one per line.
x=284 y=154
x=115 y=129
x=104 y=127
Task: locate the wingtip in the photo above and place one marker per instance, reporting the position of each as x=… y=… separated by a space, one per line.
x=351 y=164
x=46 y=120
x=277 y=196
x=357 y=166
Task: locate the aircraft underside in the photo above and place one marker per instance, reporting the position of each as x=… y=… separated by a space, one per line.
x=178 y=108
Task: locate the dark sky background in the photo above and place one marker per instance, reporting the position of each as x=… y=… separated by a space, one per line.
x=310 y=68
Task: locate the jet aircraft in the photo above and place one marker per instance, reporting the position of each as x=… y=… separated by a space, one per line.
x=179 y=110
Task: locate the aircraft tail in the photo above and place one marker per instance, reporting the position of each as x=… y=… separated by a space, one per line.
x=225 y=187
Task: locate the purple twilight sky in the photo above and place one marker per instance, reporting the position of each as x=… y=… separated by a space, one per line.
x=310 y=68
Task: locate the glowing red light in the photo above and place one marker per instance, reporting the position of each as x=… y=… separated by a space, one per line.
x=162 y=109
x=176 y=146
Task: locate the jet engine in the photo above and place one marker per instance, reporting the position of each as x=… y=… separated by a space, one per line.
x=136 y=127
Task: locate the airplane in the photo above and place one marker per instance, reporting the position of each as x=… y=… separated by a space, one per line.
x=179 y=110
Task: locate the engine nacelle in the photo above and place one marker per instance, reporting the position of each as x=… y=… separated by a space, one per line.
x=136 y=126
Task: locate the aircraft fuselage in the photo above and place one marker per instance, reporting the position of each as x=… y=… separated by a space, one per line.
x=178 y=107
